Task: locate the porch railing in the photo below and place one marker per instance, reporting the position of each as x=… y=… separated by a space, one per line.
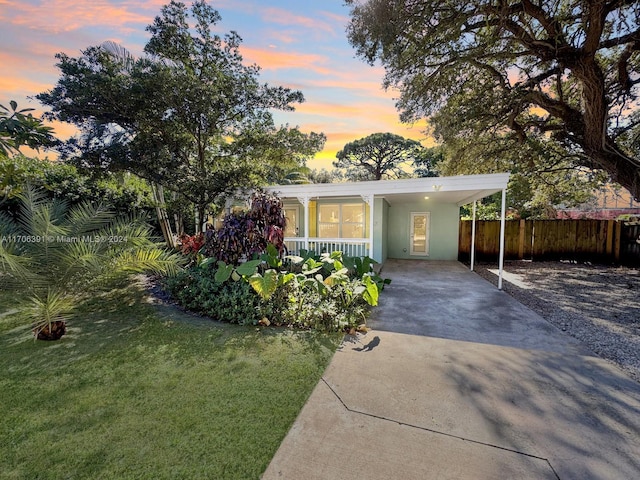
x=352 y=247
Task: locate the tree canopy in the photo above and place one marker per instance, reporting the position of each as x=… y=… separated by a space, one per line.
x=189 y=115
x=20 y=127
x=377 y=156
x=558 y=76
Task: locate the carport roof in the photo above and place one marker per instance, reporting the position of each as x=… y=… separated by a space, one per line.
x=461 y=189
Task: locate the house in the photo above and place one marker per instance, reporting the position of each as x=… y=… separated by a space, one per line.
x=415 y=218
x=609 y=203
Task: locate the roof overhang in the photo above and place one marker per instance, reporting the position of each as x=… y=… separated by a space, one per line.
x=461 y=189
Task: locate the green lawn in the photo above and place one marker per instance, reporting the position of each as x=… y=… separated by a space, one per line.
x=136 y=390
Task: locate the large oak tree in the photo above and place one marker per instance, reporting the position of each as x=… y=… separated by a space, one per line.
x=189 y=115
x=559 y=75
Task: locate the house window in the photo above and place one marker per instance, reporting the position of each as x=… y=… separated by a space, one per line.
x=341 y=220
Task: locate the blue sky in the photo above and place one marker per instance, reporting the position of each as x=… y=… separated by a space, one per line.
x=300 y=44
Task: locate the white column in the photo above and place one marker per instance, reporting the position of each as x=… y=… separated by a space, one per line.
x=370 y=200
x=473 y=235
x=305 y=202
x=502 y=228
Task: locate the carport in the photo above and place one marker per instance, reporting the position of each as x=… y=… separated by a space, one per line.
x=415 y=218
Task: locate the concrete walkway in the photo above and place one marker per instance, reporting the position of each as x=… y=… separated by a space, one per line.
x=457 y=380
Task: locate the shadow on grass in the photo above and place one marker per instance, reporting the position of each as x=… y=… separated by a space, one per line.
x=143 y=390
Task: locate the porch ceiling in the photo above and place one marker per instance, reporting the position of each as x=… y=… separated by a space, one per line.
x=461 y=190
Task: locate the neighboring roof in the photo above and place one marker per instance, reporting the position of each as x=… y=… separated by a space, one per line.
x=461 y=189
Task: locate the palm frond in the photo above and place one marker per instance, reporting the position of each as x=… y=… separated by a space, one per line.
x=43 y=310
x=155 y=260
x=87 y=218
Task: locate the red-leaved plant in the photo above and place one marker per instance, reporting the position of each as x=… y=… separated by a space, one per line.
x=246 y=234
x=191 y=244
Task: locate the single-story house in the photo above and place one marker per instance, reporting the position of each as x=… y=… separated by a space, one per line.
x=415 y=218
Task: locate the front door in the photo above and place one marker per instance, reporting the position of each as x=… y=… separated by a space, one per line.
x=292 y=215
x=419 y=240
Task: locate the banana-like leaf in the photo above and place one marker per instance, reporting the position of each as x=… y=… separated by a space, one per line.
x=371 y=293
x=248 y=268
x=223 y=273
x=265 y=285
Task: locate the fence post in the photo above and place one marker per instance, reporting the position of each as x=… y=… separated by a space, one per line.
x=609 y=247
x=521 y=240
x=618 y=241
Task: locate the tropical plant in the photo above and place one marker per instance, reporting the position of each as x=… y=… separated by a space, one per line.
x=20 y=127
x=51 y=254
x=247 y=234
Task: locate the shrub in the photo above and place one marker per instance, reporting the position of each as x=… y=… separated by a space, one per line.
x=233 y=302
x=246 y=234
x=319 y=293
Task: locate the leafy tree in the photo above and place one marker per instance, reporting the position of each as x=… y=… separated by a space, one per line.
x=123 y=192
x=189 y=115
x=426 y=162
x=562 y=72
x=380 y=155
x=51 y=254
x=324 y=176
x=20 y=127
x=543 y=174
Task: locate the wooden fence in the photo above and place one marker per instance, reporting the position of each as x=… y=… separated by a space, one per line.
x=607 y=241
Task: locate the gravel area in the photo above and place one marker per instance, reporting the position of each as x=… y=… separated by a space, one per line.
x=599 y=305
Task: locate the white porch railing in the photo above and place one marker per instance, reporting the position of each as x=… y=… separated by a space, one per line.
x=352 y=247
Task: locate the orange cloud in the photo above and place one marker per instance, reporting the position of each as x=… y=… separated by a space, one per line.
x=57 y=16
x=270 y=59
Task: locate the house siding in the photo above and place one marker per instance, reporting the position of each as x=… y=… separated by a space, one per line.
x=443 y=230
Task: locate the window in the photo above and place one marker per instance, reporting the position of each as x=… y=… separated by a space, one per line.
x=341 y=220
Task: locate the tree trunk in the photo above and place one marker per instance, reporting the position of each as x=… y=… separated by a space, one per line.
x=177 y=218
x=161 y=212
x=601 y=149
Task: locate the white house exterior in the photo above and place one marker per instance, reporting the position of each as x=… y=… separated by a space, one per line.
x=415 y=218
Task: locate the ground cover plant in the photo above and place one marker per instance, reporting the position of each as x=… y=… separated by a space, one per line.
x=330 y=292
x=141 y=390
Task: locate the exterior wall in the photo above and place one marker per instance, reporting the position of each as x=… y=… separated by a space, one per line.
x=443 y=230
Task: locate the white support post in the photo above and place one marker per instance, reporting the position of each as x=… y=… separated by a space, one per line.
x=502 y=228
x=369 y=199
x=305 y=202
x=473 y=235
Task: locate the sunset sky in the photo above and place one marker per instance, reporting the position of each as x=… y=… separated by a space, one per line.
x=299 y=44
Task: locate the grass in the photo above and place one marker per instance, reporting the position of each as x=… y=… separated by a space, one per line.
x=136 y=390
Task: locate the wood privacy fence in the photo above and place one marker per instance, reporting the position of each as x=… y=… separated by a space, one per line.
x=607 y=241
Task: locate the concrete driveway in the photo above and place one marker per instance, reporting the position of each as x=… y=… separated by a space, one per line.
x=457 y=380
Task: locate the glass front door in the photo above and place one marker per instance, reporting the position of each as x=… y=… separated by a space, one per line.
x=419 y=240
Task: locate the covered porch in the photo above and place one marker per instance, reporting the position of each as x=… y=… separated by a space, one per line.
x=413 y=218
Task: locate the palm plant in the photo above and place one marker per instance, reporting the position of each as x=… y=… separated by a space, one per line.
x=50 y=253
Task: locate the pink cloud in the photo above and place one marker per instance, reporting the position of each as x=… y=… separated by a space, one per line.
x=285 y=17
x=272 y=59
x=58 y=16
